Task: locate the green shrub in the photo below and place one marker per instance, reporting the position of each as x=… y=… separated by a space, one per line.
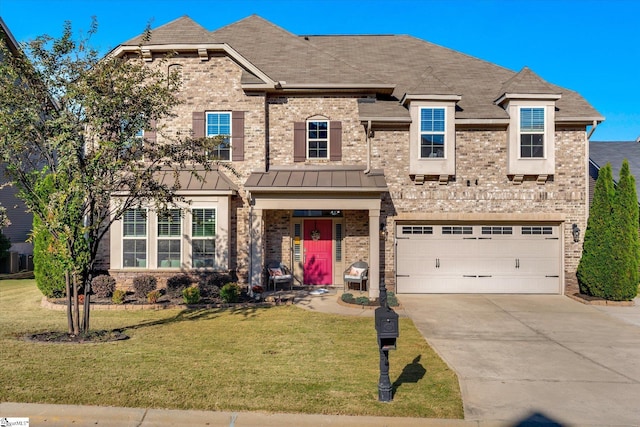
x=211 y=284
x=154 y=296
x=392 y=300
x=103 y=286
x=610 y=254
x=624 y=283
x=594 y=268
x=362 y=301
x=191 y=295
x=48 y=269
x=176 y=284
x=348 y=298
x=144 y=284
x=230 y=292
x=118 y=296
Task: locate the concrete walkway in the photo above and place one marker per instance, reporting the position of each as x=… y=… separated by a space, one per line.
x=548 y=355
x=521 y=361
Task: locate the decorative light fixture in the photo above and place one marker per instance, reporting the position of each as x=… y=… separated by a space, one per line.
x=575 y=230
x=383 y=230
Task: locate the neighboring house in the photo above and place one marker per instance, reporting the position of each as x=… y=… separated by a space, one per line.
x=445 y=173
x=21 y=220
x=614 y=152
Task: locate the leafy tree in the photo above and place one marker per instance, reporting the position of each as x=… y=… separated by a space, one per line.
x=595 y=269
x=5 y=243
x=626 y=249
x=68 y=114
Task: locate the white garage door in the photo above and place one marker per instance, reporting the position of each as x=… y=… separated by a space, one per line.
x=478 y=259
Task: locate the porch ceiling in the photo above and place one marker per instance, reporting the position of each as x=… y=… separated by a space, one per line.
x=317 y=180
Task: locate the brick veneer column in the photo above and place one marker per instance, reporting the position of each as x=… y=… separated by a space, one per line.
x=374 y=253
x=256 y=255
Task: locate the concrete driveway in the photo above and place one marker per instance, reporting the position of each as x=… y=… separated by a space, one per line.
x=536 y=357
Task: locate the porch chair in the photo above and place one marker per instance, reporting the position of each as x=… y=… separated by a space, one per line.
x=277 y=273
x=358 y=272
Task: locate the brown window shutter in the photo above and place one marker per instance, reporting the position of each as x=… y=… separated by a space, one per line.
x=237 y=136
x=335 y=140
x=299 y=141
x=150 y=135
x=198 y=124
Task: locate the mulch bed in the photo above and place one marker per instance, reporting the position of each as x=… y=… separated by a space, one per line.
x=91 y=337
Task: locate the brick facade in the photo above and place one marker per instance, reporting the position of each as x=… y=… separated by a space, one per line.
x=481 y=183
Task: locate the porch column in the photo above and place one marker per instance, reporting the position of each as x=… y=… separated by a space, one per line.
x=255 y=236
x=374 y=253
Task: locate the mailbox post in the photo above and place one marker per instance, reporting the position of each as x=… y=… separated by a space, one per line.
x=387 y=330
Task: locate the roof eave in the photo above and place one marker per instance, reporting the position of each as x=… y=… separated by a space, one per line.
x=430 y=97
x=535 y=96
x=200 y=48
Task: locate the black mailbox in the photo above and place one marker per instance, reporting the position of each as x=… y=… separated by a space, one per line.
x=386 y=327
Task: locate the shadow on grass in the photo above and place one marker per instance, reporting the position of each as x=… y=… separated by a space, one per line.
x=412 y=373
x=191 y=315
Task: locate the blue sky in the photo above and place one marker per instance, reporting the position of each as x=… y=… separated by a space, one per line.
x=590 y=46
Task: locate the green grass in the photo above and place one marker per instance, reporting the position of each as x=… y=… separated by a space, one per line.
x=275 y=359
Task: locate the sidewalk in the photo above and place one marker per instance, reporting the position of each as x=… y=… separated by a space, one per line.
x=80 y=416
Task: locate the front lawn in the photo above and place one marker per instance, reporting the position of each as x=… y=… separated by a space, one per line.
x=274 y=359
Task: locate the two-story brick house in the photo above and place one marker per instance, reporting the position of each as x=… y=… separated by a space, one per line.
x=445 y=173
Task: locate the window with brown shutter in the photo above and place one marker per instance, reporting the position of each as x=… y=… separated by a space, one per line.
x=335 y=140
x=237 y=136
x=299 y=141
x=198 y=124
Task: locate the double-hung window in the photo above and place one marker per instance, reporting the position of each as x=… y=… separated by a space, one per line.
x=134 y=238
x=531 y=132
x=317 y=139
x=169 y=238
x=432 y=130
x=218 y=124
x=203 y=232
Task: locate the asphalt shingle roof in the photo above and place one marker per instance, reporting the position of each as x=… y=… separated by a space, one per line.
x=408 y=64
x=602 y=153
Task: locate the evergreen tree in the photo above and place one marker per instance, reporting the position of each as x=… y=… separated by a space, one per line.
x=595 y=267
x=626 y=246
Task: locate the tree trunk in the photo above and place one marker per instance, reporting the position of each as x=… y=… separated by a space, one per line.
x=76 y=307
x=87 y=305
x=67 y=281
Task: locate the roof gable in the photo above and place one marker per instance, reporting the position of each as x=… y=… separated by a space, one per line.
x=526 y=81
x=183 y=30
x=286 y=57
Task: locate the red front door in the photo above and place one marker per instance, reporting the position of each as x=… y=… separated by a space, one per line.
x=318 y=251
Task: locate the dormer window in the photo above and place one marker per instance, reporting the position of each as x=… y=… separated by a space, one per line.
x=432 y=133
x=432 y=136
x=532 y=132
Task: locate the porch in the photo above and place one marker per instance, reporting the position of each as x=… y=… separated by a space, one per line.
x=317 y=222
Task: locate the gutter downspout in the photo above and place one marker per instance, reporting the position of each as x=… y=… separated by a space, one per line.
x=368 y=136
x=593 y=129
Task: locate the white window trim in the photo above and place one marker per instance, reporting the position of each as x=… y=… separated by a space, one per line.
x=432 y=166
x=543 y=132
x=145 y=238
x=421 y=132
x=179 y=238
x=308 y=140
x=532 y=166
x=206 y=130
x=193 y=238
